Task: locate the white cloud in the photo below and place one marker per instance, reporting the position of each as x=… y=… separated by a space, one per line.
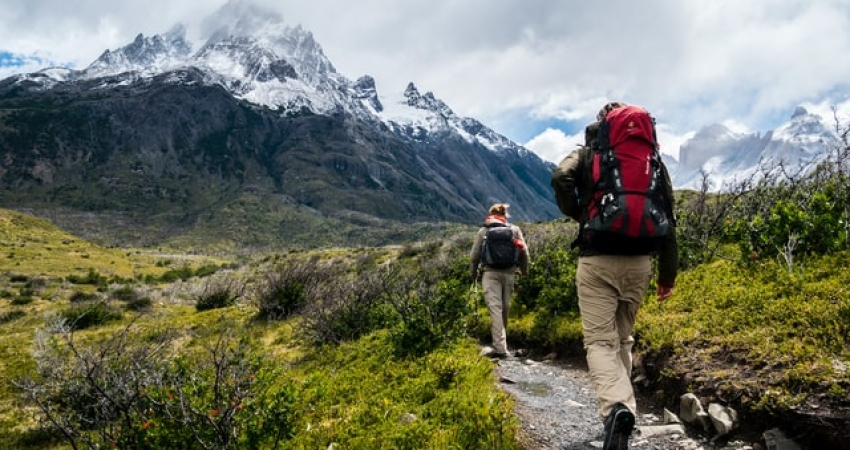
x=831 y=111
x=670 y=141
x=553 y=145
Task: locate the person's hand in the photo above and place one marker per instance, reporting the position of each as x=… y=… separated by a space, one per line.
x=664 y=292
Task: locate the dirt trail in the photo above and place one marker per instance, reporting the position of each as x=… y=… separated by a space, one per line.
x=557 y=408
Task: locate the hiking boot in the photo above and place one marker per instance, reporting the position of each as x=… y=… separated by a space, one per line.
x=618 y=428
x=496 y=355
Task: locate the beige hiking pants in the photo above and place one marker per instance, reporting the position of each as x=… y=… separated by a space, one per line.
x=610 y=291
x=498 y=286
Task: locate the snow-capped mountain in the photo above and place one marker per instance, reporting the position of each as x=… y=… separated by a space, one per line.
x=726 y=157
x=172 y=134
x=253 y=54
x=145 y=54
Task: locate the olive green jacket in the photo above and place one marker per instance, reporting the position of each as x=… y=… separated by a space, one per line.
x=573 y=187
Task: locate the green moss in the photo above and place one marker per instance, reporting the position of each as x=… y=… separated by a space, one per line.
x=781 y=325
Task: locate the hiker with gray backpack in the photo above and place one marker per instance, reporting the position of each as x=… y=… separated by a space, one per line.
x=618 y=190
x=498 y=254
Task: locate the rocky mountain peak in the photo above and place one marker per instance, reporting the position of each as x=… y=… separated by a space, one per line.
x=144 y=54
x=364 y=90
x=714 y=132
x=427 y=102
x=243 y=18
x=799 y=112
x=802 y=123
x=728 y=156
x=239 y=18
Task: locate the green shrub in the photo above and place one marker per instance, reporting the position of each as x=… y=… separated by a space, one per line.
x=124 y=294
x=18 y=278
x=139 y=304
x=23 y=299
x=128 y=392
x=215 y=299
x=134 y=300
x=82 y=297
x=792 y=219
x=86 y=315
x=171 y=275
x=433 y=312
x=11 y=315
x=348 y=307
x=290 y=286
x=219 y=293
x=206 y=270
x=91 y=277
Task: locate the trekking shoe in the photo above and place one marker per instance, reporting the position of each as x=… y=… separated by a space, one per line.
x=498 y=355
x=618 y=428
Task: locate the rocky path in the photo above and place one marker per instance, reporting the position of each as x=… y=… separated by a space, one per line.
x=557 y=408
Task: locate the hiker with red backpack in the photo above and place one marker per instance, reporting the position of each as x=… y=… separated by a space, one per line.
x=619 y=191
x=498 y=254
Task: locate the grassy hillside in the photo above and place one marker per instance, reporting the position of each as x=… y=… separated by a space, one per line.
x=249 y=222
x=763 y=338
x=364 y=342
x=370 y=384
x=34 y=247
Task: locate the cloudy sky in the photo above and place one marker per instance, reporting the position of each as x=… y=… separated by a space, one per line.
x=534 y=70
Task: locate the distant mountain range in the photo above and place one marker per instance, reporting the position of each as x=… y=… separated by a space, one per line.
x=725 y=158
x=253 y=139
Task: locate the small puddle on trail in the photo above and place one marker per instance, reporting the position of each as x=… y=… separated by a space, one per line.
x=535 y=389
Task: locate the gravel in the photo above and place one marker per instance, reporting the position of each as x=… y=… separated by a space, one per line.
x=556 y=406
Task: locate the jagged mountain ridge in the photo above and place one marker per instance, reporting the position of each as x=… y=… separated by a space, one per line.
x=727 y=157
x=157 y=132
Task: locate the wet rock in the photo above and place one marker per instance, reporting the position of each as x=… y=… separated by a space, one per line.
x=776 y=440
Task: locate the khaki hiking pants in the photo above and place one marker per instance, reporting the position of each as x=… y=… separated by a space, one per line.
x=610 y=292
x=498 y=286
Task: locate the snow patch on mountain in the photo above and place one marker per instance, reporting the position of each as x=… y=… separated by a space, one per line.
x=149 y=55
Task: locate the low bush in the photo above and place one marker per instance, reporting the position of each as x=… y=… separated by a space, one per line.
x=130 y=392
x=23 y=299
x=348 y=307
x=290 y=286
x=11 y=315
x=18 y=278
x=82 y=297
x=86 y=315
x=220 y=293
x=433 y=312
x=91 y=277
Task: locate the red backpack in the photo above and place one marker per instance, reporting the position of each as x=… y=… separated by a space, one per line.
x=629 y=210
